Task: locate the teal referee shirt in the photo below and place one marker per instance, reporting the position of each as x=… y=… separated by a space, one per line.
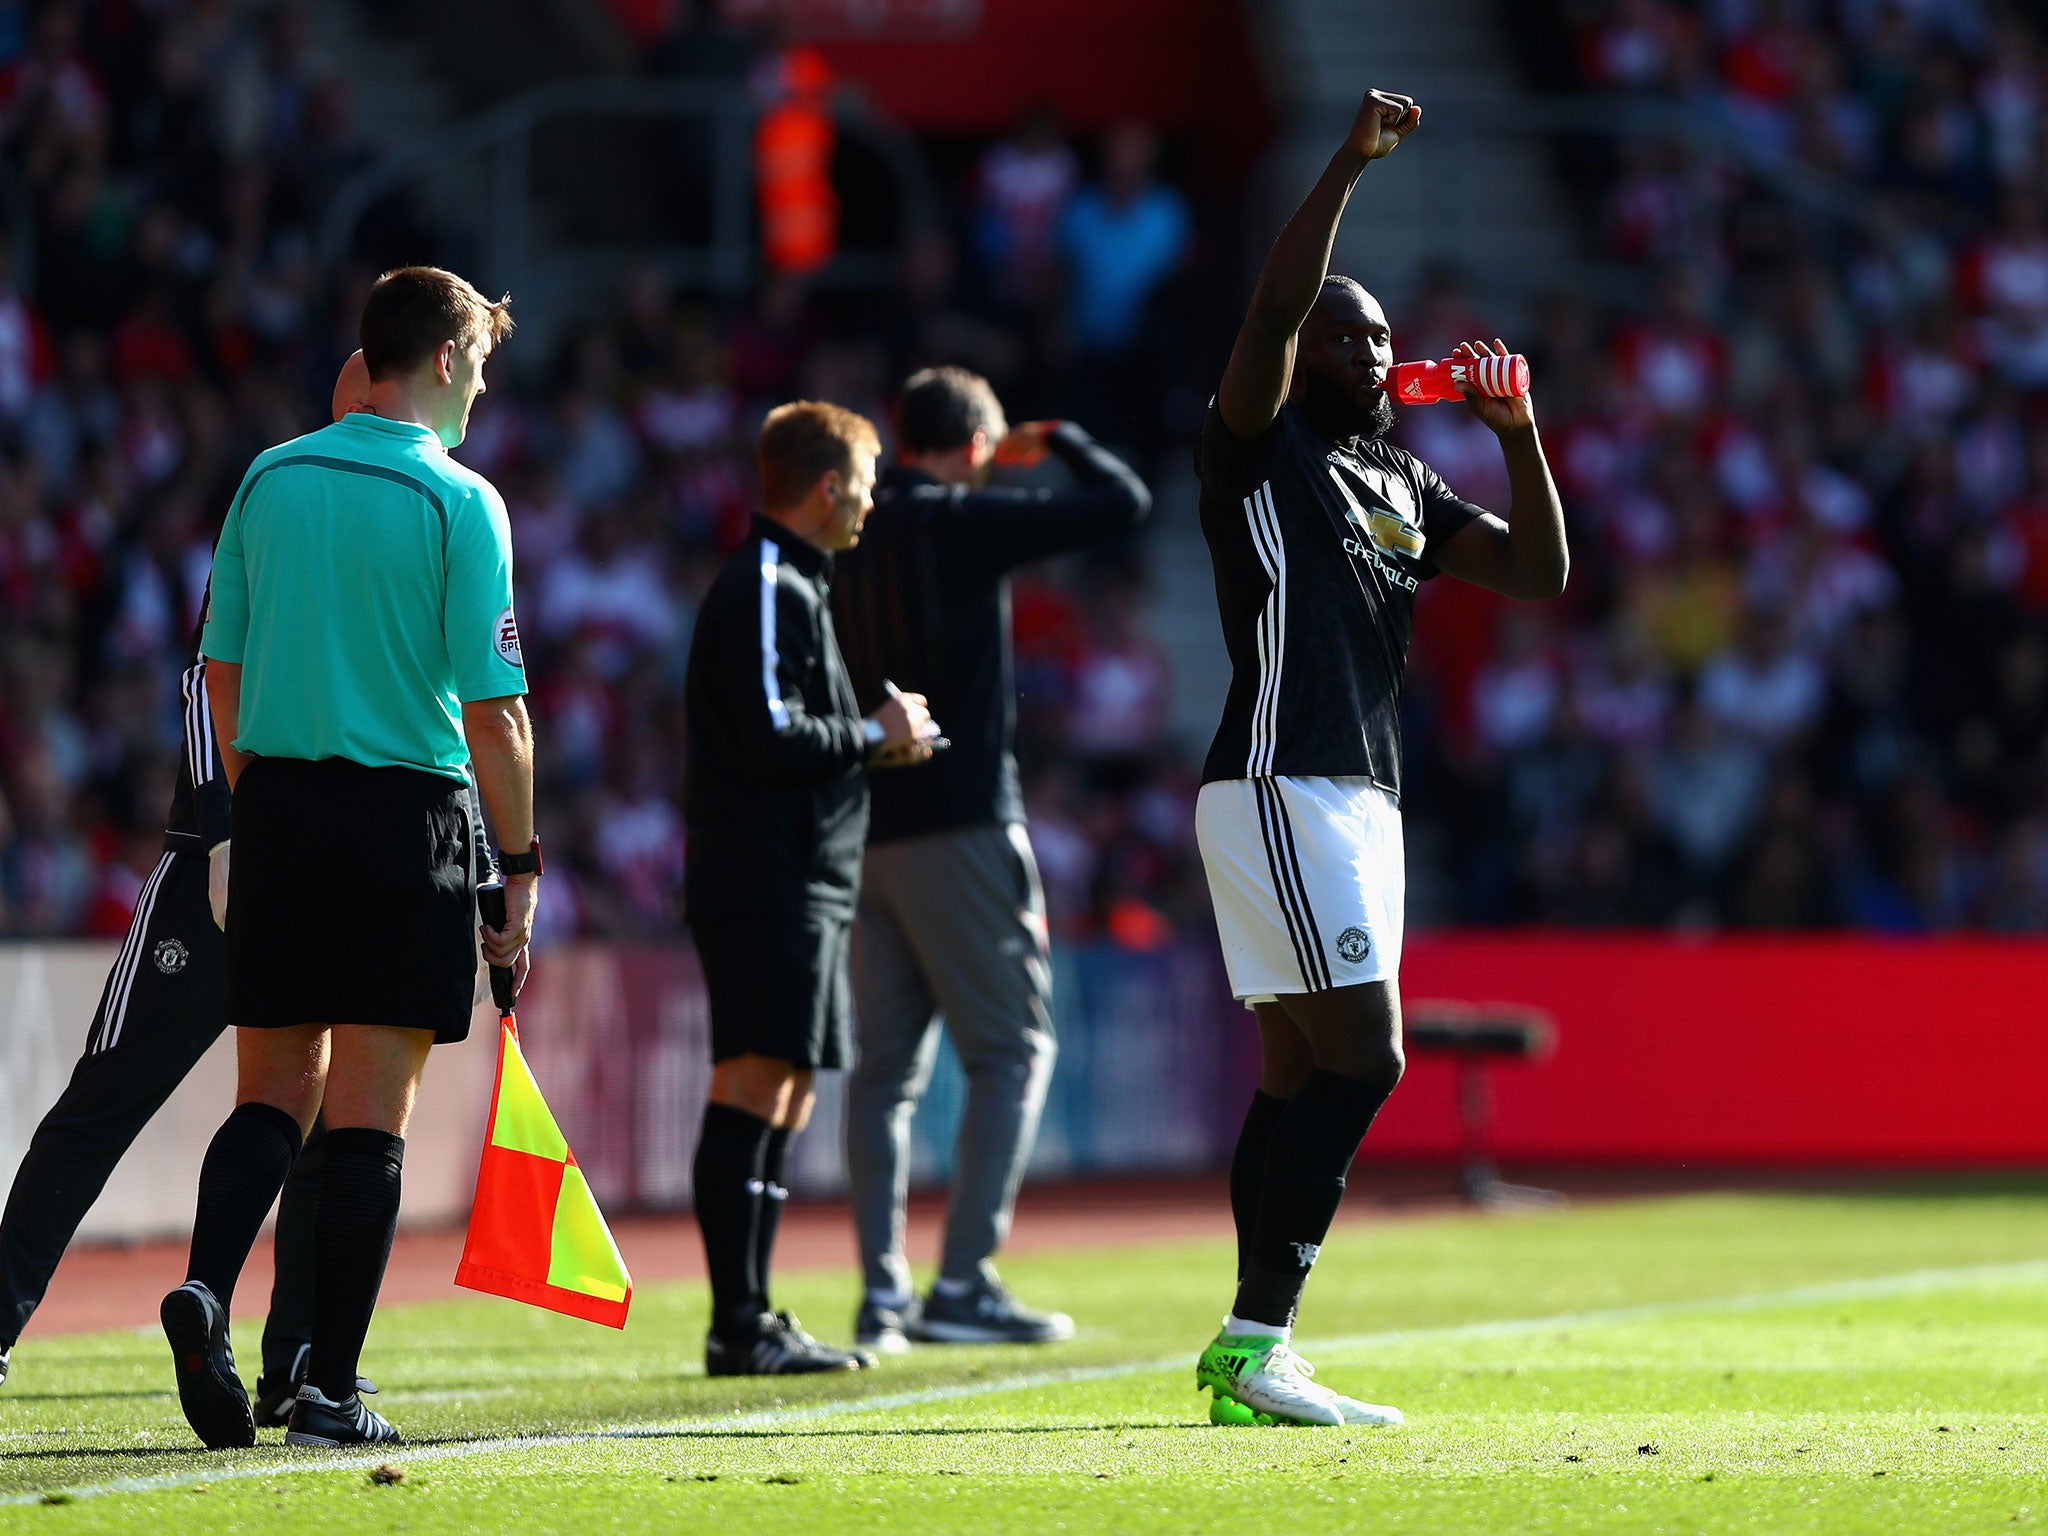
x=363 y=581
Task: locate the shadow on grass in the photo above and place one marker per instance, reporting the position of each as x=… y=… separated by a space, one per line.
x=105 y=1453
x=800 y=1433
x=87 y=1397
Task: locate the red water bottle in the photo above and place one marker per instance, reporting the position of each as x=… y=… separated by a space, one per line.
x=1429 y=383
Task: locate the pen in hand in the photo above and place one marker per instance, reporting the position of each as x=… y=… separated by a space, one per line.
x=935 y=742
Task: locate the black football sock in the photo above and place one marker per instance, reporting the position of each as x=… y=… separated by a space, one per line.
x=289 y=1325
x=726 y=1189
x=245 y=1167
x=774 y=1196
x=1310 y=1152
x=358 y=1217
x=1248 y=1168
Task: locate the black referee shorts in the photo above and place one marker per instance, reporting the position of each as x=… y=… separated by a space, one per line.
x=779 y=987
x=351 y=898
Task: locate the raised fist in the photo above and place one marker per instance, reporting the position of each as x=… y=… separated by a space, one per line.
x=1384 y=120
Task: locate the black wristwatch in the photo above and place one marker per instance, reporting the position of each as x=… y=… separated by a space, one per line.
x=527 y=863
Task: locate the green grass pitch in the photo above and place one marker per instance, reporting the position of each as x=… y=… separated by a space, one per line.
x=1875 y=1361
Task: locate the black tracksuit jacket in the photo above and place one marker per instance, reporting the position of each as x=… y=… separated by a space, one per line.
x=775 y=790
x=924 y=601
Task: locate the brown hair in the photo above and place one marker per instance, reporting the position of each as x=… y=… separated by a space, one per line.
x=942 y=408
x=412 y=310
x=805 y=439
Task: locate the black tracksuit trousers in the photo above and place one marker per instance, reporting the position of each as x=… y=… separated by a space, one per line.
x=163 y=1006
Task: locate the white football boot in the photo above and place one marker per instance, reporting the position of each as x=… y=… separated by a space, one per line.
x=1257 y=1379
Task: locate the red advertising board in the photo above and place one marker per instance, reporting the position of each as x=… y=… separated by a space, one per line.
x=1815 y=1051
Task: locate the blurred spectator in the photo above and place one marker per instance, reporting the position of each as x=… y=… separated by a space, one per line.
x=1117 y=716
x=1026 y=183
x=1765 y=687
x=1709 y=788
x=1122 y=238
x=1515 y=695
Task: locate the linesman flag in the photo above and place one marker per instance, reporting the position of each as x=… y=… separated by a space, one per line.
x=535 y=1232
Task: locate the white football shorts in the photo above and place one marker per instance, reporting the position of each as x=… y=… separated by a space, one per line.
x=1309 y=882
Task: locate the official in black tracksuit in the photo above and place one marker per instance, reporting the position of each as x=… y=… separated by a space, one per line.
x=775 y=802
x=952 y=917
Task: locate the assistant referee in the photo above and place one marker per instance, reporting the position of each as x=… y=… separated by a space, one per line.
x=361 y=652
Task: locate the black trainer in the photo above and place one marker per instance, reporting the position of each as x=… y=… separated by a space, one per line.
x=215 y=1402
x=774 y=1346
x=885 y=1329
x=277 y=1391
x=987 y=1314
x=318 y=1420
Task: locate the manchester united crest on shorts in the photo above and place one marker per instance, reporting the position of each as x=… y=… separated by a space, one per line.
x=1353 y=944
x=171 y=957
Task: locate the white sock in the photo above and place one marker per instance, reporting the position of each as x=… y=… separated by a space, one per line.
x=895 y=1301
x=953 y=1288
x=1238 y=1326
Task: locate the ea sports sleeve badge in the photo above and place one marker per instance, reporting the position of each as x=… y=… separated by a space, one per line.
x=535 y=1232
x=505 y=639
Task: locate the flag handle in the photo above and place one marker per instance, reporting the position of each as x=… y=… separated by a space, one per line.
x=490 y=906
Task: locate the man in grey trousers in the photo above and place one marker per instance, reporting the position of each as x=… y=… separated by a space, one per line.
x=952 y=919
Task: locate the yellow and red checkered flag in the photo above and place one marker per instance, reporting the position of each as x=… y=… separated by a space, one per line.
x=535 y=1232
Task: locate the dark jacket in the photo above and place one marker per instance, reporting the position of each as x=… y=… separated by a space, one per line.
x=201 y=814
x=775 y=793
x=924 y=601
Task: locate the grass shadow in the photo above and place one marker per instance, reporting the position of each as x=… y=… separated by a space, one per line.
x=87 y=1397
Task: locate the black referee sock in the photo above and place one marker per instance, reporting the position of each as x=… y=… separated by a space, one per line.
x=1248 y=1168
x=288 y=1326
x=358 y=1217
x=245 y=1167
x=1313 y=1142
x=774 y=1196
x=727 y=1188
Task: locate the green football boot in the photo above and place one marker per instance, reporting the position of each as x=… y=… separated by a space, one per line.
x=1259 y=1379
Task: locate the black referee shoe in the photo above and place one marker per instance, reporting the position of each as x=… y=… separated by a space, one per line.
x=4 y=1353
x=775 y=1346
x=277 y=1391
x=216 y=1404
x=318 y=1420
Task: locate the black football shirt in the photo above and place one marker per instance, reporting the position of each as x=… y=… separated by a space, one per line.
x=1319 y=548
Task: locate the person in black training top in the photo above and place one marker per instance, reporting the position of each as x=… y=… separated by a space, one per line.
x=952 y=919
x=775 y=801
x=1320 y=532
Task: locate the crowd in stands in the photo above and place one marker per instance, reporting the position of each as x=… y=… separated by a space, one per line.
x=161 y=166
x=161 y=321
x=1800 y=678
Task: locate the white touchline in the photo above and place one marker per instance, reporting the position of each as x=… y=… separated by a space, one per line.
x=1878 y=1287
